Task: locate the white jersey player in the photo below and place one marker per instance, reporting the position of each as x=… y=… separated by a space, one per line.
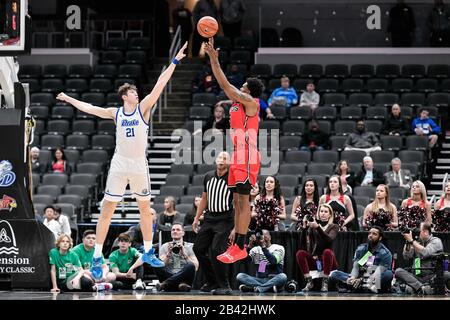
x=129 y=163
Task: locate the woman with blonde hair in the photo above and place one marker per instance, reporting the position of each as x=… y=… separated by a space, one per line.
x=169 y=215
x=381 y=212
x=441 y=215
x=317 y=238
x=415 y=209
x=66 y=272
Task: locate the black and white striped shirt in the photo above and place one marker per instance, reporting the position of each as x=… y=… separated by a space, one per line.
x=220 y=198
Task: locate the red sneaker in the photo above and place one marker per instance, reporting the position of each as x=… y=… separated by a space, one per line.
x=233 y=254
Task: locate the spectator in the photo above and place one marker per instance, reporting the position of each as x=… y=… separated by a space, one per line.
x=122 y=263
x=59 y=163
x=347 y=176
x=369 y=176
x=85 y=252
x=423 y=253
x=381 y=212
x=38 y=216
x=205 y=81
x=306 y=203
x=235 y=77
x=284 y=95
x=201 y=9
x=401 y=25
x=372 y=257
x=182 y=17
x=314 y=139
x=395 y=124
x=398 y=177
x=231 y=16
x=169 y=216
x=218 y=122
x=63 y=221
x=424 y=126
x=341 y=204
x=36 y=166
x=269 y=207
x=362 y=140
x=189 y=218
x=415 y=209
x=310 y=98
x=318 y=234
x=51 y=223
x=180 y=263
x=66 y=273
x=441 y=215
x=439 y=24
x=269 y=259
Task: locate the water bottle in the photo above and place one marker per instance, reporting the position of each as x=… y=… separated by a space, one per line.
x=445 y=265
x=97 y=273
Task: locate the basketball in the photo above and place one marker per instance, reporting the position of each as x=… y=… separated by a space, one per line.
x=207 y=27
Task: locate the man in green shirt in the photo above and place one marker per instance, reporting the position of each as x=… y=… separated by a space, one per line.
x=85 y=252
x=121 y=261
x=66 y=272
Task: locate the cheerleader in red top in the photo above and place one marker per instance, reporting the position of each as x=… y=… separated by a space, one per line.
x=269 y=207
x=415 y=209
x=340 y=203
x=441 y=215
x=244 y=168
x=381 y=212
x=306 y=203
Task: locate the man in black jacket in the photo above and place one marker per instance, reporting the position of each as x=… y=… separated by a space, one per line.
x=315 y=139
x=369 y=176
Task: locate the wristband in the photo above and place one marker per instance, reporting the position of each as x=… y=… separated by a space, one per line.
x=175 y=61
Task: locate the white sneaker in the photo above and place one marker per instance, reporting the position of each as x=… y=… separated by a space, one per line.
x=139 y=285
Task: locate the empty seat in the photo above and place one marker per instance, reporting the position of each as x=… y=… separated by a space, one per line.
x=293 y=127
x=414 y=99
x=393 y=143
x=376 y=113
x=344 y=127
x=33 y=84
x=244 y=43
x=187 y=199
x=174 y=191
x=200 y=113
x=353 y=156
x=297 y=169
x=260 y=70
x=279 y=112
x=325 y=126
x=375 y=85
x=79 y=190
x=139 y=43
x=112 y=57
x=61 y=127
x=300 y=85
x=51 y=190
x=94 y=98
x=326 y=169
x=427 y=85
x=204 y=99
x=113 y=99
x=30 y=71
x=351 y=113
x=269 y=37
x=334 y=99
x=80 y=71
x=62 y=112
x=387 y=71
x=327 y=85
x=90 y=167
x=412 y=156
x=77 y=142
x=57 y=179
x=386 y=99
x=325 y=113
x=360 y=99
x=51 y=141
x=322 y=156
x=86 y=179
x=287 y=192
x=352 y=85
x=374 y=126
x=382 y=156
x=204 y=168
x=73 y=199
x=39 y=112
x=40 y=126
x=287 y=180
x=269 y=125
x=76 y=85
x=55 y=71
x=72 y=156
x=300 y=113
x=402 y=85
x=310 y=71
x=105 y=71
x=43 y=199
x=288 y=143
x=439 y=99
x=42 y=99
x=297 y=156
x=224 y=43
x=52 y=85
x=100 y=85
x=116 y=44
x=198 y=179
x=413 y=70
x=337 y=142
x=291 y=37
x=100 y=156
x=363 y=200
x=177 y=180
x=438 y=71
x=103 y=142
x=366 y=191
x=130 y=71
x=83 y=127
x=182 y=169
x=240 y=56
x=414 y=142
x=336 y=71
x=106 y=127
x=364 y=71
x=289 y=70
x=445 y=85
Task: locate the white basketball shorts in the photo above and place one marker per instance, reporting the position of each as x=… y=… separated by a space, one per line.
x=125 y=171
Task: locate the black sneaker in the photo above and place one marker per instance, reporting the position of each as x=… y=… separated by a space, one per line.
x=246 y=288
x=207 y=287
x=184 y=287
x=222 y=291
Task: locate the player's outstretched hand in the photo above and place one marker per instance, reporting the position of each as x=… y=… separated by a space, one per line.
x=180 y=55
x=62 y=96
x=209 y=49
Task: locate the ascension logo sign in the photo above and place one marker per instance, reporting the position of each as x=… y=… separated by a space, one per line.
x=7 y=239
x=7 y=176
x=7 y=203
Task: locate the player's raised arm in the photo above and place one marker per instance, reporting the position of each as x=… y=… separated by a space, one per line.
x=105 y=113
x=149 y=101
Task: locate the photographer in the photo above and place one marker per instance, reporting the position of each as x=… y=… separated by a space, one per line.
x=269 y=259
x=372 y=265
x=180 y=263
x=422 y=252
x=318 y=234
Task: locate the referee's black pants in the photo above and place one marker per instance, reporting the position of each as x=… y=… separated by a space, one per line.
x=211 y=241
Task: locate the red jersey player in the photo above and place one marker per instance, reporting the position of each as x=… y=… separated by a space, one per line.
x=244 y=168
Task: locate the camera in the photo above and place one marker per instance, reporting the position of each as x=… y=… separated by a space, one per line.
x=291 y=286
x=309 y=218
x=404 y=229
x=176 y=247
x=259 y=236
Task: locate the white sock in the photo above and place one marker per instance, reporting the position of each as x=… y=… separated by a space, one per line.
x=98 y=250
x=147 y=245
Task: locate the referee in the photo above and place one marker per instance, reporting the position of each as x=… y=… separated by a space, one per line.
x=217 y=205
